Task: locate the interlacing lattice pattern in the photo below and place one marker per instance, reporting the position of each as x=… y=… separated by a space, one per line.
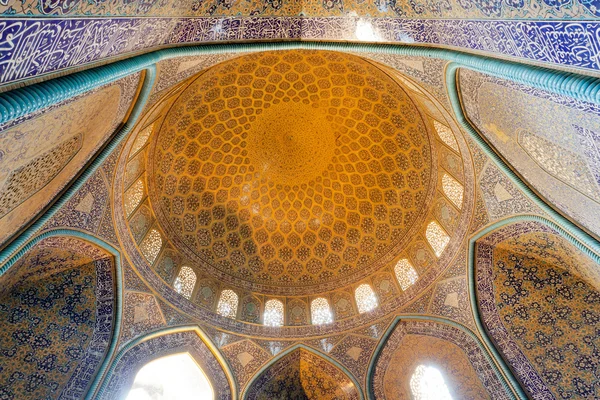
x=320 y=311
x=133 y=196
x=453 y=190
x=234 y=184
x=151 y=245
x=273 y=315
x=228 y=304
x=405 y=273
x=141 y=139
x=446 y=135
x=437 y=238
x=365 y=298
x=185 y=282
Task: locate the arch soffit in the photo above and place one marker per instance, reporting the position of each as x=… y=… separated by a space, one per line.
x=202 y=336
x=300 y=346
x=504 y=376
x=117 y=278
x=488 y=230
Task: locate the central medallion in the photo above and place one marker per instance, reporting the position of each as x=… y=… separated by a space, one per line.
x=291 y=143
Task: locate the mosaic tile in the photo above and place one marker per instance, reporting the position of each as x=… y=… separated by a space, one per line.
x=451 y=300
x=420 y=305
x=98 y=38
x=274 y=346
x=374 y=331
x=325 y=344
x=36 y=167
x=220 y=338
x=73 y=282
x=131 y=280
x=85 y=209
x=481 y=217
x=557 y=154
x=354 y=353
x=172 y=316
x=501 y=196
x=141 y=314
x=245 y=358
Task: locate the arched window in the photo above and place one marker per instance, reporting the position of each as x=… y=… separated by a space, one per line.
x=320 y=311
x=141 y=139
x=405 y=273
x=437 y=238
x=446 y=135
x=365 y=298
x=452 y=189
x=185 y=282
x=172 y=377
x=228 y=304
x=273 y=313
x=151 y=245
x=427 y=383
x=133 y=196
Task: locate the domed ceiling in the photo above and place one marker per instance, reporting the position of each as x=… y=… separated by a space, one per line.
x=292 y=170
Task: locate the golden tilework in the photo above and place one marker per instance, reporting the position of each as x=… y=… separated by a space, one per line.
x=47 y=326
x=134 y=196
x=151 y=245
x=302 y=375
x=290 y=168
x=414 y=350
x=39 y=156
x=141 y=139
x=446 y=135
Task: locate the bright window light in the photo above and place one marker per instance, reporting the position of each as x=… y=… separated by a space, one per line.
x=427 y=383
x=172 y=377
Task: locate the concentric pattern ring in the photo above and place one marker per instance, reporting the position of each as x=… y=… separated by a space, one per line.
x=292 y=168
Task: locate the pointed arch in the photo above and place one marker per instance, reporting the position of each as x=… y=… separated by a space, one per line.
x=482 y=252
x=250 y=391
x=191 y=339
x=110 y=275
x=484 y=361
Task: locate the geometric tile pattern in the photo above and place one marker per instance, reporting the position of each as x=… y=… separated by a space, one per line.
x=302 y=375
x=250 y=204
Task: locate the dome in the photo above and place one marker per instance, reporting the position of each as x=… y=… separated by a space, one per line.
x=291 y=172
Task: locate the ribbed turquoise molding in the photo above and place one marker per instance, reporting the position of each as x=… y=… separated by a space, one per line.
x=15 y=246
x=165 y=332
x=593 y=246
x=118 y=288
x=510 y=384
x=472 y=267
x=310 y=350
x=25 y=100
